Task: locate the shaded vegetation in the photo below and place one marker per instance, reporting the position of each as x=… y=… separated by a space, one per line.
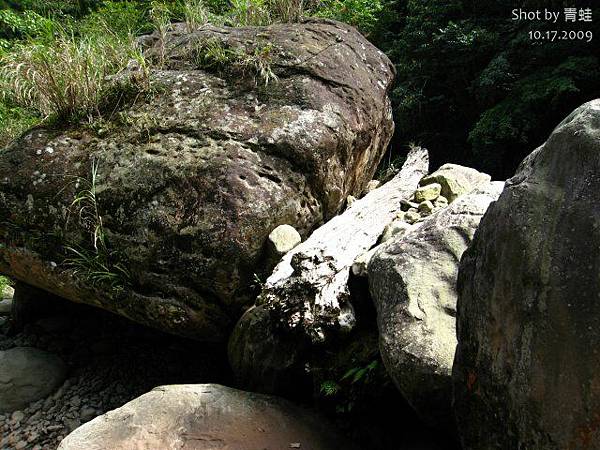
x=474 y=88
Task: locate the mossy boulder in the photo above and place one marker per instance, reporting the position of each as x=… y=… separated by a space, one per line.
x=193 y=175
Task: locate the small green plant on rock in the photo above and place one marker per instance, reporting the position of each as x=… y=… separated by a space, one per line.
x=95 y=262
x=347 y=389
x=258 y=60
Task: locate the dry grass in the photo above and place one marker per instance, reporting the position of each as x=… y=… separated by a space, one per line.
x=68 y=78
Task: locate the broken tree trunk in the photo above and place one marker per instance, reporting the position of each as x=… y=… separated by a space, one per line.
x=308 y=290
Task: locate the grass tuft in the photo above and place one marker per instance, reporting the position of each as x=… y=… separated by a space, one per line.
x=67 y=79
x=257 y=60
x=95 y=262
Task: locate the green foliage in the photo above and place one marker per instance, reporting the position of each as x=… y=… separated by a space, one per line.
x=14 y=121
x=473 y=88
x=195 y=14
x=249 y=13
x=123 y=19
x=363 y=14
x=67 y=79
x=4 y=283
x=14 y=24
x=350 y=387
x=95 y=262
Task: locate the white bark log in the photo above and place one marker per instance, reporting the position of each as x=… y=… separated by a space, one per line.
x=308 y=289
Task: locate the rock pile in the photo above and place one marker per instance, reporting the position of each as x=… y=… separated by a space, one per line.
x=438 y=190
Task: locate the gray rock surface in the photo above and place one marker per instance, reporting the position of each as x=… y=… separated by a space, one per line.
x=526 y=373
x=192 y=178
x=456 y=180
x=27 y=375
x=412 y=280
x=206 y=416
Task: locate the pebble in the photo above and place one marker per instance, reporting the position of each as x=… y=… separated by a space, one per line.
x=17 y=416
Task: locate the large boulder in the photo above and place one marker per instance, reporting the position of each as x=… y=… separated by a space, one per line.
x=412 y=280
x=206 y=416
x=27 y=375
x=526 y=373
x=190 y=179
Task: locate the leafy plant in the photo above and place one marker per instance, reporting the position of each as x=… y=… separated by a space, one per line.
x=123 y=19
x=14 y=121
x=347 y=388
x=363 y=14
x=249 y=13
x=195 y=14
x=160 y=16
x=95 y=262
x=330 y=388
x=14 y=24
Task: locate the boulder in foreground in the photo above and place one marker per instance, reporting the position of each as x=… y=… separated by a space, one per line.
x=206 y=416
x=526 y=373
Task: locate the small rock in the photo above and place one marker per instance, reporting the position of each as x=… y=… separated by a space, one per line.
x=360 y=265
x=71 y=424
x=397 y=227
x=350 y=200
x=17 y=416
x=5 y=306
x=372 y=185
x=20 y=445
x=440 y=202
x=456 y=180
x=405 y=205
x=412 y=217
x=283 y=239
x=8 y=293
x=87 y=413
x=425 y=208
x=428 y=192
